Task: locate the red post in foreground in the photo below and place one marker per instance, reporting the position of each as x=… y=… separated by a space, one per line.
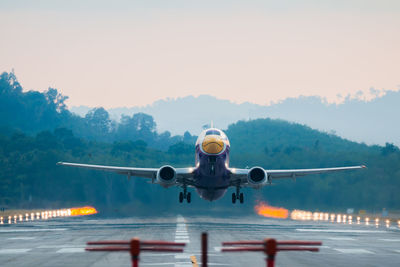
x=270 y=250
x=204 y=249
x=271 y=247
x=135 y=246
x=135 y=251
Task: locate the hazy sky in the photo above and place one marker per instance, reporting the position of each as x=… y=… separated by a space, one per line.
x=128 y=53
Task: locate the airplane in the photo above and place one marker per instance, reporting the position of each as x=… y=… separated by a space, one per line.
x=211 y=176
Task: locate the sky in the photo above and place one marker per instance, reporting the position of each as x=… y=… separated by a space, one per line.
x=132 y=53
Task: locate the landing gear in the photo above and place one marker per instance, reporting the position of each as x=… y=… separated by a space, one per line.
x=185 y=195
x=238 y=196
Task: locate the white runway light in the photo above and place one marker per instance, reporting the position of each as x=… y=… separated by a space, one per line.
x=302 y=215
x=48 y=214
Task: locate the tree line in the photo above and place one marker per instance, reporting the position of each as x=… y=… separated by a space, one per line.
x=37 y=130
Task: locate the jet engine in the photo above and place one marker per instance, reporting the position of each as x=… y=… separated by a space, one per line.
x=257 y=177
x=166 y=176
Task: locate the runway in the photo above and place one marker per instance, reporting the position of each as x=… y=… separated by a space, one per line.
x=61 y=242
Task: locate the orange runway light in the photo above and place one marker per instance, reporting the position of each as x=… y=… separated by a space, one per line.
x=83 y=211
x=265 y=210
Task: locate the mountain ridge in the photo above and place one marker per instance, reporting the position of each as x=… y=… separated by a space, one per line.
x=355 y=119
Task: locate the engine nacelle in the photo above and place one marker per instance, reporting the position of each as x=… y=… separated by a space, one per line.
x=257 y=177
x=166 y=176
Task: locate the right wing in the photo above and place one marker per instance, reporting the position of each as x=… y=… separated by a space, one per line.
x=182 y=174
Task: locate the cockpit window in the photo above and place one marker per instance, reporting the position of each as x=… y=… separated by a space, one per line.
x=213 y=132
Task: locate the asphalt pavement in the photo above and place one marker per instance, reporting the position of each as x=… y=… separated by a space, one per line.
x=61 y=242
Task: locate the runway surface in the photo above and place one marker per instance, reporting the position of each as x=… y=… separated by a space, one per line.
x=61 y=242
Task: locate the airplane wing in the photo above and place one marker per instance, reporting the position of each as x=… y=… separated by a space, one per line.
x=181 y=173
x=275 y=174
x=240 y=175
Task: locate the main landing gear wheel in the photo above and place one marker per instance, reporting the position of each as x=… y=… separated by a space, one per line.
x=241 y=198
x=238 y=196
x=185 y=195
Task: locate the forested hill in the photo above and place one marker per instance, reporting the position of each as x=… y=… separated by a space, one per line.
x=29 y=176
x=32 y=112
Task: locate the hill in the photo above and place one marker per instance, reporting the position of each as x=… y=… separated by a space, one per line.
x=31 y=145
x=355 y=119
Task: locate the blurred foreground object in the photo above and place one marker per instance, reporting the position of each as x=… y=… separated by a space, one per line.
x=271 y=247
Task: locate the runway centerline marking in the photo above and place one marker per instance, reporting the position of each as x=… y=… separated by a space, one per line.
x=354 y=251
x=14 y=250
x=182 y=236
x=389 y=240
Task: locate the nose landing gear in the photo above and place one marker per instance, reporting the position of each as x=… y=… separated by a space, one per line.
x=185 y=195
x=238 y=196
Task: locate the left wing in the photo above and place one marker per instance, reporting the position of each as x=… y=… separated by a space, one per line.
x=240 y=175
x=181 y=173
x=276 y=174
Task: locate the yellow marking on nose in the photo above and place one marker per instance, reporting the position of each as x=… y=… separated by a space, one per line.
x=212 y=144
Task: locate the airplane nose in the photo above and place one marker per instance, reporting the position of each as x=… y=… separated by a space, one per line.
x=212 y=144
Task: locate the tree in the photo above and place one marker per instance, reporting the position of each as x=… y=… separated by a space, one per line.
x=55 y=99
x=139 y=126
x=99 y=124
x=389 y=149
